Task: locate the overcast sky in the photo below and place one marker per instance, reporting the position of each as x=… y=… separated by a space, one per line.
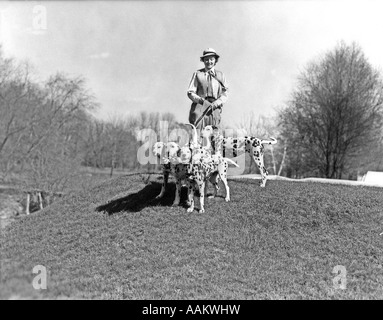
x=140 y=55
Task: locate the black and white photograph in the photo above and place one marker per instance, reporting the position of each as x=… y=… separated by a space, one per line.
x=191 y=156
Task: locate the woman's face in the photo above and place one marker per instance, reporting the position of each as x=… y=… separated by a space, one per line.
x=209 y=62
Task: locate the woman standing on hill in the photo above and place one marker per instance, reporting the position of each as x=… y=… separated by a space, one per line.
x=207 y=88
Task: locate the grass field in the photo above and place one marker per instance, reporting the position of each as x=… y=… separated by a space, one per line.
x=116 y=241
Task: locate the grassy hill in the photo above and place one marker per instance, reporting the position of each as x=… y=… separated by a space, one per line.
x=115 y=241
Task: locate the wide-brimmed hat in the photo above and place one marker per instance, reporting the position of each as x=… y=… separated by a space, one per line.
x=209 y=52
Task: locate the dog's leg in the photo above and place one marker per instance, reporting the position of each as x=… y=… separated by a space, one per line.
x=191 y=196
x=222 y=170
x=164 y=184
x=214 y=179
x=257 y=155
x=201 y=186
x=190 y=193
x=178 y=192
x=224 y=180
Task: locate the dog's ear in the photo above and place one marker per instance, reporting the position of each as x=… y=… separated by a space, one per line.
x=156 y=147
x=215 y=128
x=178 y=152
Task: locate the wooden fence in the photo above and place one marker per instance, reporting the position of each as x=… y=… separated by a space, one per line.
x=40 y=197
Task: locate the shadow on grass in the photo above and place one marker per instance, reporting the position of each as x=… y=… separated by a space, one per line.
x=144 y=198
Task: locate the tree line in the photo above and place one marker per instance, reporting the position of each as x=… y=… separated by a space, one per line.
x=48 y=133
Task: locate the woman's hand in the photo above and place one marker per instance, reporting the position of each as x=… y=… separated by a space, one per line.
x=214 y=105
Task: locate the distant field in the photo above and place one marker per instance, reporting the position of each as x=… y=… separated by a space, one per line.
x=115 y=241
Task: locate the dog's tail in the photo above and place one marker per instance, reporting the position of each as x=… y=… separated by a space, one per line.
x=232 y=162
x=272 y=141
x=195 y=138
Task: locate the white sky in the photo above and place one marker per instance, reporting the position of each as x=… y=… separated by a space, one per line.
x=140 y=55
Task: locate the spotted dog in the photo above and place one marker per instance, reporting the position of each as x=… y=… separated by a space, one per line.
x=203 y=167
x=169 y=154
x=197 y=155
x=254 y=146
x=175 y=162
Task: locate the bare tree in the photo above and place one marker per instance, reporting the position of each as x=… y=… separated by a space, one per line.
x=18 y=99
x=335 y=111
x=41 y=124
x=52 y=150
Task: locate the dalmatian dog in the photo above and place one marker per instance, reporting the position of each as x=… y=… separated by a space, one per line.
x=169 y=153
x=254 y=146
x=175 y=160
x=203 y=167
x=196 y=154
